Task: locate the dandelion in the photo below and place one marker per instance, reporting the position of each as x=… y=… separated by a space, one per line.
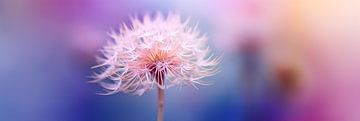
x=159 y=52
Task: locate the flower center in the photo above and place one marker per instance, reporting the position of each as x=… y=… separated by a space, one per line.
x=159 y=62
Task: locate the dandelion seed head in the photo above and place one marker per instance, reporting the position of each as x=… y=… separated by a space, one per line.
x=160 y=52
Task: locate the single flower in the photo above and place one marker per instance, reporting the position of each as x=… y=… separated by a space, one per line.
x=162 y=52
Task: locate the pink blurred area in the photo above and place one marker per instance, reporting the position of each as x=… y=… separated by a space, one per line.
x=319 y=38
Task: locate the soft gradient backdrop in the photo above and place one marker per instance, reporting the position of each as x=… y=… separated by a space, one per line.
x=283 y=60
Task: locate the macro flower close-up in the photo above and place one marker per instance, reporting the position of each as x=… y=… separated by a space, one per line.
x=179 y=60
x=160 y=51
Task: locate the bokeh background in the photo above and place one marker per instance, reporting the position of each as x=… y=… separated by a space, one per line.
x=283 y=60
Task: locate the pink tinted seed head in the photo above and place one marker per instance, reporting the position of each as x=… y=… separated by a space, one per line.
x=163 y=52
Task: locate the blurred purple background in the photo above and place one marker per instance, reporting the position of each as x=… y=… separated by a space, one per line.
x=284 y=60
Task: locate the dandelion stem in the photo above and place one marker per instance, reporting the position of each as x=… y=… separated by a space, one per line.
x=160 y=112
